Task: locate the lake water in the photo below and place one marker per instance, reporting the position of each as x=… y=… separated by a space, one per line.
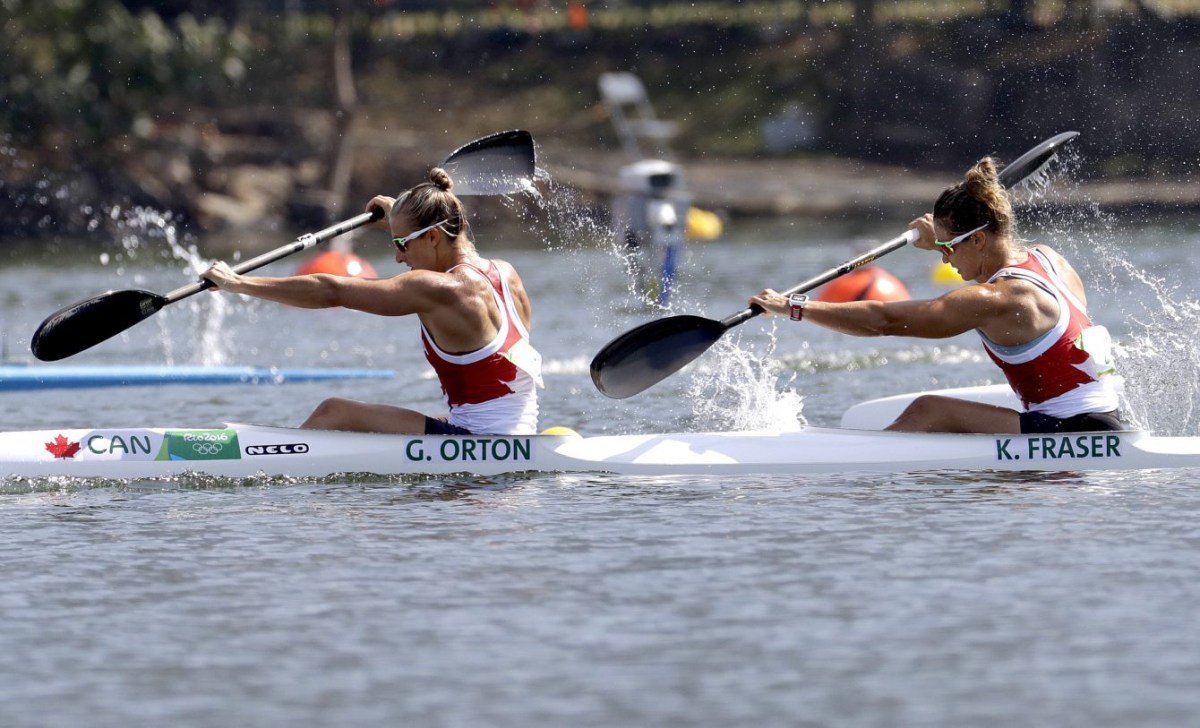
x=944 y=599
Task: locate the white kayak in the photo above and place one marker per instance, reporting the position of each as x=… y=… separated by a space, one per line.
x=244 y=451
x=876 y=414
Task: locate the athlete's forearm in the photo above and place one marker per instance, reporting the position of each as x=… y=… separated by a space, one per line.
x=309 y=291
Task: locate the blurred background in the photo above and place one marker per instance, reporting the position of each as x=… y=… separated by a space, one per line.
x=242 y=116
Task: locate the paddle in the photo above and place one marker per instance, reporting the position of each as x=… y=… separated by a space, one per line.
x=498 y=164
x=644 y=356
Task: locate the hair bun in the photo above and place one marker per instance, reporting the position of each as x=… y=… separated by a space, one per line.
x=981 y=178
x=441 y=179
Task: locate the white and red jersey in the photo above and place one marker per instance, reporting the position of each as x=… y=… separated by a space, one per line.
x=1069 y=369
x=492 y=390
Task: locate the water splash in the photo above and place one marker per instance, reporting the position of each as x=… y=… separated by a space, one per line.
x=1161 y=365
x=1158 y=357
x=741 y=390
x=144 y=232
x=565 y=222
x=732 y=388
x=560 y=216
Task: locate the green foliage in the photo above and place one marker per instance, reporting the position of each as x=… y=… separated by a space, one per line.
x=81 y=72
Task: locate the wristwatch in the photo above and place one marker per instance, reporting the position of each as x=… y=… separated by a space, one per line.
x=798 y=301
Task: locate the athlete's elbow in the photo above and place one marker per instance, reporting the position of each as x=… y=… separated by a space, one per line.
x=885 y=324
x=326 y=292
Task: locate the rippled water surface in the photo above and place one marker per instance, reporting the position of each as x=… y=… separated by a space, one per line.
x=936 y=599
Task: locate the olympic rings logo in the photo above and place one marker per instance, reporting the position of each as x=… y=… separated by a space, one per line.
x=207 y=448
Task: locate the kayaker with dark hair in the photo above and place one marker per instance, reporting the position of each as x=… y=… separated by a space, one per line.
x=475 y=319
x=1027 y=303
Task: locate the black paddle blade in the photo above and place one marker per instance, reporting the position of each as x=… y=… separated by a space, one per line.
x=86 y=323
x=1034 y=161
x=642 y=357
x=499 y=164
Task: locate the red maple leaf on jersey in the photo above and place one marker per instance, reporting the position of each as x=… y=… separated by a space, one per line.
x=62 y=448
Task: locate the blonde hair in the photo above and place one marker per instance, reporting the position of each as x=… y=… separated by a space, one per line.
x=978 y=199
x=429 y=202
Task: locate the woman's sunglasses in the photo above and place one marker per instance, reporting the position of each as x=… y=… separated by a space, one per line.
x=949 y=244
x=402 y=243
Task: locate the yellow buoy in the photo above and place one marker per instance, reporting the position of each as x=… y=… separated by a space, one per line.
x=703 y=225
x=945 y=275
x=560 y=431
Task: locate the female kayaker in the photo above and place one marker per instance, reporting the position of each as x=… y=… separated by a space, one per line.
x=475 y=319
x=1027 y=303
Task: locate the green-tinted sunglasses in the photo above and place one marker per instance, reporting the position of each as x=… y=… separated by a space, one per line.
x=949 y=244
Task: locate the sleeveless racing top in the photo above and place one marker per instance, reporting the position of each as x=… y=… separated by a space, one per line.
x=492 y=390
x=1069 y=369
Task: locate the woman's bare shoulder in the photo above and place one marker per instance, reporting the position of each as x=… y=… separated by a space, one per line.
x=1055 y=257
x=1047 y=251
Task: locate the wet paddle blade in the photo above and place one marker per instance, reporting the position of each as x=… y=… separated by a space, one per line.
x=642 y=357
x=1035 y=161
x=498 y=164
x=86 y=323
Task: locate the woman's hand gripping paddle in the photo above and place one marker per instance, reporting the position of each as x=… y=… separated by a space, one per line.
x=498 y=164
x=644 y=356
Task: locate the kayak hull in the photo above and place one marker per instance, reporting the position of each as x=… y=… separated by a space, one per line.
x=247 y=451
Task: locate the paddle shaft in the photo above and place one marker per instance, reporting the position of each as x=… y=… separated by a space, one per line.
x=870 y=256
x=304 y=242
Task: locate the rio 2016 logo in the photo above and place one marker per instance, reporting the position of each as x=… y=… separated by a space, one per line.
x=200 y=445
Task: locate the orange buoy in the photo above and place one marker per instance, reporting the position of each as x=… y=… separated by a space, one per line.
x=338 y=263
x=871 y=283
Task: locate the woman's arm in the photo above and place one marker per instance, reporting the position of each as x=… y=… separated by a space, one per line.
x=956 y=312
x=407 y=293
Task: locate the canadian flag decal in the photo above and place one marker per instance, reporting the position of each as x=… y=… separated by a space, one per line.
x=62 y=448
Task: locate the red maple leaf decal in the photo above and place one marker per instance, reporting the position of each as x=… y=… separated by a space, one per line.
x=60 y=447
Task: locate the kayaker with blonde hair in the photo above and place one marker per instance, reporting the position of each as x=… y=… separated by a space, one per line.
x=475 y=319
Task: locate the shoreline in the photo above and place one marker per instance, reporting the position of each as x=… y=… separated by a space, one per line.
x=734 y=187
x=837 y=186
